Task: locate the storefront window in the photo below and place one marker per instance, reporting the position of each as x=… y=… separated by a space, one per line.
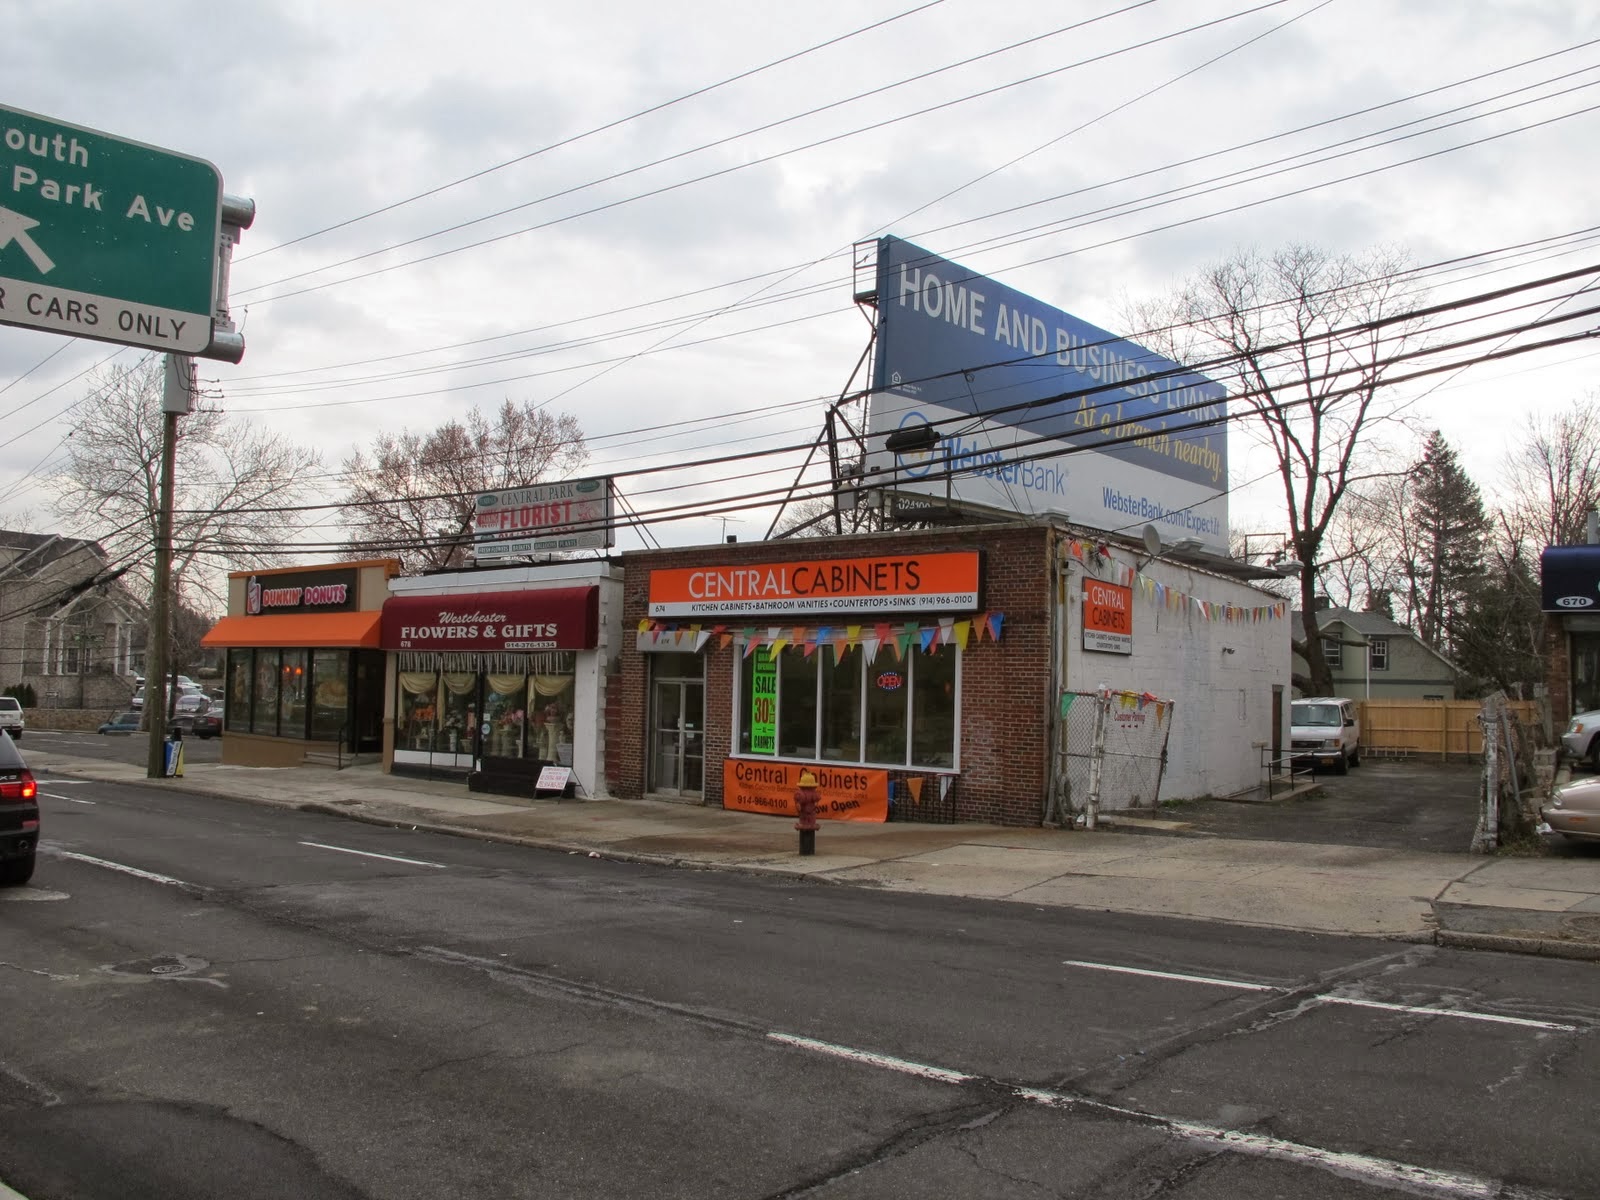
x=419 y=709
x=908 y=704
x=552 y=709
x=292 y=695
x=841 y=705
x=797 y=704
x=933 y=708
x=887 y=694
x=505 y=711
x=264 y=694
x=458 y=727
x=330 y=694
x=1585 y=672
x=237 y=711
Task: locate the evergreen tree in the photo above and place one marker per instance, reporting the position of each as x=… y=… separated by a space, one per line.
x=1449 y=527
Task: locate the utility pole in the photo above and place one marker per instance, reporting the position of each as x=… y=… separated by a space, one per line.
x=177 y=397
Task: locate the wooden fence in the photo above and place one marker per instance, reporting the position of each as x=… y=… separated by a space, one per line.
x=1441 y=729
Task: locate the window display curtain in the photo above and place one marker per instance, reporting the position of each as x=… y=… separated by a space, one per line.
x=418 y=682
x=549 y=685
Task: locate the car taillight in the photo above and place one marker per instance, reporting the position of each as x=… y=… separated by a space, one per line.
x=22 y=787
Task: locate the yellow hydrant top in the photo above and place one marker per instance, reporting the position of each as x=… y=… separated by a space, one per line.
x=807 y=779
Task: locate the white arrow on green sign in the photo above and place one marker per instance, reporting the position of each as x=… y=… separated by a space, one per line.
x=105 y=238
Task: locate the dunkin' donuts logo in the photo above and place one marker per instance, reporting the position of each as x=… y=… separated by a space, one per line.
x=258 y=598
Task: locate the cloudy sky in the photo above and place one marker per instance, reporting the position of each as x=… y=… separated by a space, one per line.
x=643 y=214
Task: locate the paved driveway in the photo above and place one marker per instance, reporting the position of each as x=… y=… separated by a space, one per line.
x=1405 y=805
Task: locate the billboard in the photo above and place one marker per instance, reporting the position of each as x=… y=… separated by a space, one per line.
x=1029 y=406
x=575 y=514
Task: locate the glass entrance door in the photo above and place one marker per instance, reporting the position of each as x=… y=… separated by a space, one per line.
x=677 y=737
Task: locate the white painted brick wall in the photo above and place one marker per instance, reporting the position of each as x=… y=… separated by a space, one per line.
x=1223 y=710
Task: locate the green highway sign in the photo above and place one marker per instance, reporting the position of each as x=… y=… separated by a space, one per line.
x=106 y=238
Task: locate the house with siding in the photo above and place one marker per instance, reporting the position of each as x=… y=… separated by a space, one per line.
x=1375 y=658
x=69 y=629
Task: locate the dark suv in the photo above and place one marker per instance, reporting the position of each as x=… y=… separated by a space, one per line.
x=19 y=815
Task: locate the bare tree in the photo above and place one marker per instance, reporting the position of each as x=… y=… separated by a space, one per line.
x=412 y=495
x=232 y=484
x=1552 y=478
x=1302 y=338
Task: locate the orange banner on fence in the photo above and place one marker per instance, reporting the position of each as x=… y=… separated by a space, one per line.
x=847 y=793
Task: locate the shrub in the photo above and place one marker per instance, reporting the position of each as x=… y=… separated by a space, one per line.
x=24 y=694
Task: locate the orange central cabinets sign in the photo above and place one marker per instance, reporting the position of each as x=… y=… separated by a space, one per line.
x=940 y=582
x=1107 y=617
x=848 y=793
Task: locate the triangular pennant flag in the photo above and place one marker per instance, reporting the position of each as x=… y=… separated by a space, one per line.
x=995 y=621
x=927 y=637
x=644 y=624
x=914 y=784
x=870 y=644
x=778 y=643
x=725 y=639
x=963 y=630
x=807 y=648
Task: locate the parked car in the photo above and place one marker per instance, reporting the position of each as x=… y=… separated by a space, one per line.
x=192 y=704
x=11 y=718
x=1574 y=810
x=124 y=722
x=138 y=696
x=209 y=723
x=1326 y=732
x=1582 y=738
x=19 y=815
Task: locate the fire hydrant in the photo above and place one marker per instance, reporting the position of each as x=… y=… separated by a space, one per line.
x=805 y=803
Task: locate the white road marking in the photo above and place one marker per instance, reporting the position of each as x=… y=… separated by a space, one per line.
x=1205 y=979
x=904 y=1066
x=68 y=799
x=123 y=867
x=1383 y=1171
x=415 y=862
x=1464 y=1014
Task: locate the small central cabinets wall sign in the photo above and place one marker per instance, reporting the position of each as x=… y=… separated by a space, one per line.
x=1107 y=617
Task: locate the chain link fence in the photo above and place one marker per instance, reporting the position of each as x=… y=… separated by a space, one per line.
x=1133 y=753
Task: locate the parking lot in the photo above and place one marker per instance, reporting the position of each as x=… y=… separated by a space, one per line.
x=1398 y=805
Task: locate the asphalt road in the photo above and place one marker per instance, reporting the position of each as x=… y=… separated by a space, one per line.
x=205 y=998
x=114 y=747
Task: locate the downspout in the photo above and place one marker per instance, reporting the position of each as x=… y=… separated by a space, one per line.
x=1055 y=799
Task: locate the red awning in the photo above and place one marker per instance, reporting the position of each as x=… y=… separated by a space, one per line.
x=310 y=630
x=498 y=622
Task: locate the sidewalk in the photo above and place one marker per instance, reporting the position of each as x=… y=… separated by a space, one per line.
x=1529 y=905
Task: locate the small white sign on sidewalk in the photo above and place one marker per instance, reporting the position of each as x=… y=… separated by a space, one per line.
x=553 y=779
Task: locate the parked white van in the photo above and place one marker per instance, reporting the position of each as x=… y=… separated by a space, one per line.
x=1325 y=731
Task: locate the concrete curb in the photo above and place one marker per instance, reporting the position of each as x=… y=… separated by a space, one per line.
x=1510 y=944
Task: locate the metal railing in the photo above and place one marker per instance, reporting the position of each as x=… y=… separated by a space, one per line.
x=1279 y=776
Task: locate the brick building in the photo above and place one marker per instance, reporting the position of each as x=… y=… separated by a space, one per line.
x=934 y=672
